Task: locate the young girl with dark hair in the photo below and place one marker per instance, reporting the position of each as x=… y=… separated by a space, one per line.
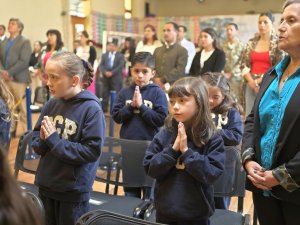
x=186 y=157
x=225 y=115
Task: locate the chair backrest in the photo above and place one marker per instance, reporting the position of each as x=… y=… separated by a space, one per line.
x=22 y=162
x=40 y=95
x=232 y=182
x=123 y=157
x=37 y=202
x=102 y=217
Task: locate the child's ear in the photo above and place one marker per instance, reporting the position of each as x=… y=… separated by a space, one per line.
x=75 y=80
x=153 y=73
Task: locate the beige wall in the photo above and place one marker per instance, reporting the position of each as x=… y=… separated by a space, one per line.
x=212 y=7
x=37 y=15
x=109 y=7
x=116 y=7
x=138 y=8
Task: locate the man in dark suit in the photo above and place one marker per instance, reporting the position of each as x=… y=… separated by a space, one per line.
x=111 y=67
x=14 y=60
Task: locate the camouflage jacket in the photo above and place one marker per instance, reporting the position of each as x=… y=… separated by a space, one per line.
x=233 y=54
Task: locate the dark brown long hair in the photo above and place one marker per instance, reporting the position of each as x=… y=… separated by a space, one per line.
x=59 y=42
x=15 y=208
x=202 y=127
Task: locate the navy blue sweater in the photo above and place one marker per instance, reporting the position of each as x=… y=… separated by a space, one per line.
x=4 y=125
x=69 y=157
x=230 y=126
x=142 y=123
x=187 y=193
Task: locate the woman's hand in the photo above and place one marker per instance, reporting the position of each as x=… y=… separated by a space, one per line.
x=270 y=180
x=256 y=175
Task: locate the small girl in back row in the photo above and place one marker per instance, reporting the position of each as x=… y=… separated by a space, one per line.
x=68 y=135
x=225 y=115
x=186 y=157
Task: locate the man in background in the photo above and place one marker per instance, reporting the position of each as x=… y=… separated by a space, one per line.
x=111 y=67
x=170 y=59
x=15 y=53
x=188 y=45
x=233 y=49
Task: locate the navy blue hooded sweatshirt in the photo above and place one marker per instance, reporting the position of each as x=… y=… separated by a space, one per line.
x=230 y=126
x=186 y=193
x=142 y=123
x=70 y=156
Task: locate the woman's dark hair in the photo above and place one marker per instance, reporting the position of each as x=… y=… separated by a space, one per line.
x=144 y=58
x=15 y=208
x=290 y=2
x=202 y=128
x=218 y=80
x=214 y=36
x=73 y=65
x=269 y=15
x=86 y=35
x=154 y=36
x=59 y=43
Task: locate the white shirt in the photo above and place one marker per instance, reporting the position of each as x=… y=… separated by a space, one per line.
x=190 y=47
x=83 y=53
x=141 y=47
x=2 y=38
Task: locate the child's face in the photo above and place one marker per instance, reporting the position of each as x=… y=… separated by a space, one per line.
x=215 y=96
x=59 y=83
x=183 y=109
x=141 y=74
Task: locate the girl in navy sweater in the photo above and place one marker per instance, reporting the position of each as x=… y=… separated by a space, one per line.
x=186 y=157
x=68 y=136
x=225 y=115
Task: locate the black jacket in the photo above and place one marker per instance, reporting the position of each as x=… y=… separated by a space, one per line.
x=287 y=149
x=215 y=63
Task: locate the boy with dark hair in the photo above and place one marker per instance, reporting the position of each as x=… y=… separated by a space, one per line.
x=141 y=108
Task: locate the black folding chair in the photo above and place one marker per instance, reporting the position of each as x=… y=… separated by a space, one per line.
x=40 y=98
x=230 y=184
x=101 y=217
x=32 y=196
x=121 y=164
x=24 y=163
x=110 y=172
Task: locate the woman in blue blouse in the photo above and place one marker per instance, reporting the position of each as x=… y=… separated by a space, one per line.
x=271 y=142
